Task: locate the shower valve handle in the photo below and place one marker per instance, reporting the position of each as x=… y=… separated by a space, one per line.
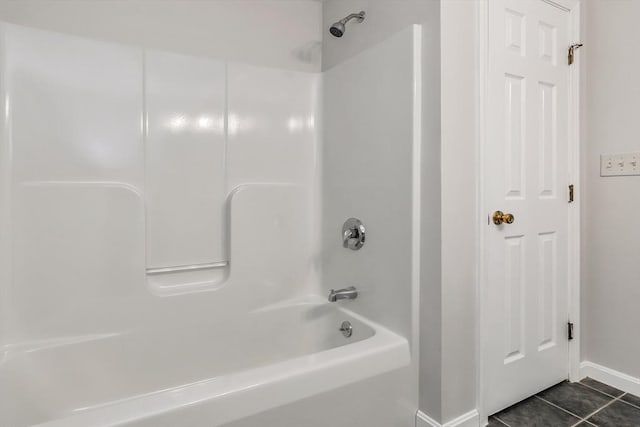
x=353 y=234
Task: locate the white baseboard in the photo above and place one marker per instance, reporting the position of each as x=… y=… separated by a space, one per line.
x=610 y=376
x=470 y=419
x=617 y=379
x=424 y=420
x=603 y=374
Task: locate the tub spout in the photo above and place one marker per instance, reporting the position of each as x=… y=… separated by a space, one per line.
x=346 y=293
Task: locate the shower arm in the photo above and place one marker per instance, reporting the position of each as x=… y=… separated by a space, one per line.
x=358 y=16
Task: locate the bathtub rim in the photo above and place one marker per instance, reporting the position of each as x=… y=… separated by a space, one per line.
x=228 y=398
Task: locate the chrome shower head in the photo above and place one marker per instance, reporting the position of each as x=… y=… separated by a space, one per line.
x=338 y=29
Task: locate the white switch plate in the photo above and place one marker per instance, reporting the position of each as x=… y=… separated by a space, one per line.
x=623 y=164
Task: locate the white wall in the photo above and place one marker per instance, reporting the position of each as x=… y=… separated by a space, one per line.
x=611 y=206
x=459 y=163
x=276 y=33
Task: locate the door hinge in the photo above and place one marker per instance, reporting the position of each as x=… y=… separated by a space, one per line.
x=570 y=193
x=572 y=50
x=570 y=330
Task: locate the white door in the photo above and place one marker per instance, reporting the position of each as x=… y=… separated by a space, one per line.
x=526 y=164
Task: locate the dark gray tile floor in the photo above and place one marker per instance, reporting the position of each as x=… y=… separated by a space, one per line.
x=586 y=404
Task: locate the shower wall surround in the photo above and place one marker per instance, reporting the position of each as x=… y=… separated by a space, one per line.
x=127 y=160
x=171 y=228
x=370 y=157
x=185 y=185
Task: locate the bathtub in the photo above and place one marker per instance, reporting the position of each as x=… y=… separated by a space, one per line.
x=194 y=375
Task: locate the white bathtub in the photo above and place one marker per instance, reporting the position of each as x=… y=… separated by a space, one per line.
x=194 y=375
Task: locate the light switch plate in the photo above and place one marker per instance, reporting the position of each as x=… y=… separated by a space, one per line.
x=623 y=164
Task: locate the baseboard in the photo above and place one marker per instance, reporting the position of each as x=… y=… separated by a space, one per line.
x=610 y=376
x=606 y=375
x=424 y=420
x=470 y=419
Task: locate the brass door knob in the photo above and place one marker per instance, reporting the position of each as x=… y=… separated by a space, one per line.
x=500 y=217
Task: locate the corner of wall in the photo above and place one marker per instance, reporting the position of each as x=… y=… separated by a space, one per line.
x=430 y=378
x=459 y=194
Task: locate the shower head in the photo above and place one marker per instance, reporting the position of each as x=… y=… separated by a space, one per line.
x=338 y=29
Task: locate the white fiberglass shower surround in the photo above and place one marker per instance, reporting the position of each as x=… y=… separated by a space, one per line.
x=171 y=227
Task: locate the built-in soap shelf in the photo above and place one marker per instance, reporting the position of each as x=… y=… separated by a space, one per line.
x=185 y=268
x=265 y=249
x=176 y=280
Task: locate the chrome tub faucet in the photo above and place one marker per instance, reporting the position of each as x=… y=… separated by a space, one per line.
x=346 y=293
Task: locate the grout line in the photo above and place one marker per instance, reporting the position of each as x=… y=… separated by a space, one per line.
x=628 y=403
x=500 y=421
x=600 y=391
x=600 y=409
x=613 y=399
x=584 y=419
x=560 y=407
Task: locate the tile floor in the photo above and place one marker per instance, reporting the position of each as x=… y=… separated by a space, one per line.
x=587 y=403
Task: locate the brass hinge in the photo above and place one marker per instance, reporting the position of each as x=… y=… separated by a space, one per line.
x=572 y=50
x=570 y=330
x=571 y=193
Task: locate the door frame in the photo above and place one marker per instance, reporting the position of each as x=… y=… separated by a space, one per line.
x=482 y=13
